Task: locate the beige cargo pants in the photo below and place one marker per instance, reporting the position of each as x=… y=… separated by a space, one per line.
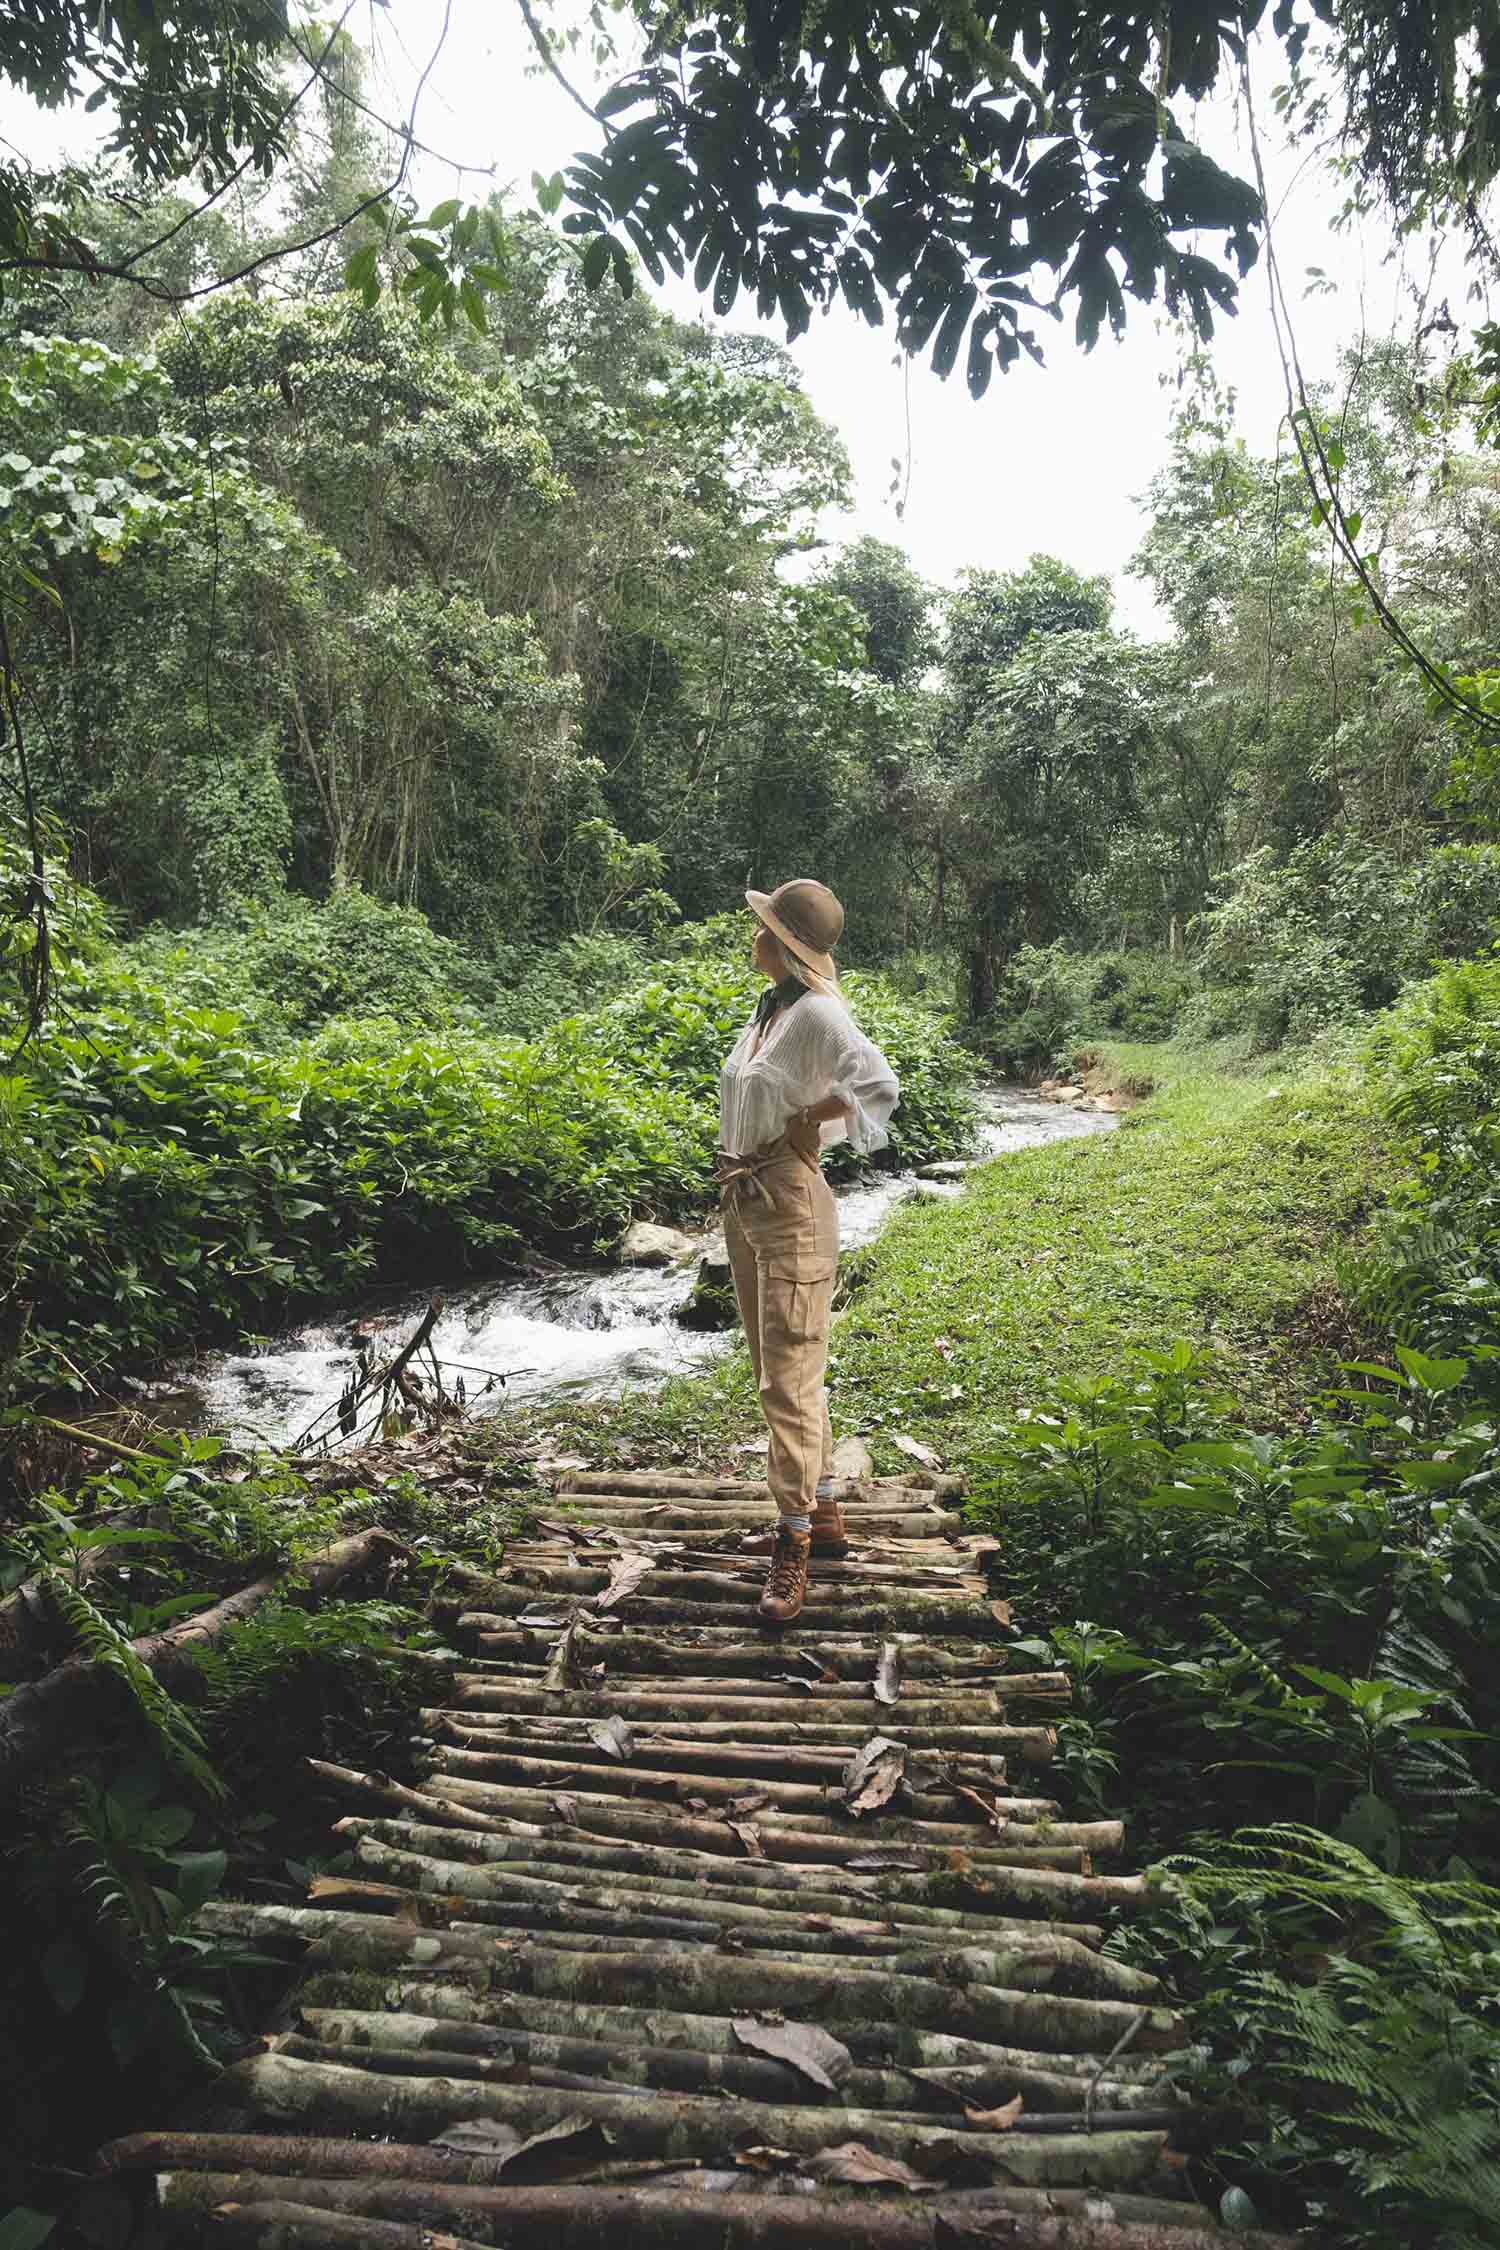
x=781 y=1230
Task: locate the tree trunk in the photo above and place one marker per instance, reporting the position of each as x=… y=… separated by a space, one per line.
x=724 y=1650
x=938 y=2055
x=41 y=1723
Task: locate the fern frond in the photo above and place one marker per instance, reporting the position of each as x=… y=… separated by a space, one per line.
x=102 y=1641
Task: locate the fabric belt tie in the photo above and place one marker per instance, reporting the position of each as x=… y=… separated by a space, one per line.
x=740 y=1175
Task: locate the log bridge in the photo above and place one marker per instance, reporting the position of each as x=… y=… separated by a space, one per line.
x=689 y=1934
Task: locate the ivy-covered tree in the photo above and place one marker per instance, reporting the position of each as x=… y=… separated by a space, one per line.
x=1047 y=719
x=897 y=608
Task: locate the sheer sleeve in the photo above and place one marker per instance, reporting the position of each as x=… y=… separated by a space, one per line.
x=853 y=1067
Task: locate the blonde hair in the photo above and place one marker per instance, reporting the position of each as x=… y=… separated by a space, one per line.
x=812 y=980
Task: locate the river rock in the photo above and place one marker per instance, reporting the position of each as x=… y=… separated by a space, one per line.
x=710 y=1302
x=648 y=1245
x=950 y=1168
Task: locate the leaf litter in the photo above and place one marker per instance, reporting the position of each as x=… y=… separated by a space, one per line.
x=624 y=1577
x=613 y=1735
x=874 y=1774
x=888 y=1673
x=558 y=2148
x=815 y=2053
x=854 y=2165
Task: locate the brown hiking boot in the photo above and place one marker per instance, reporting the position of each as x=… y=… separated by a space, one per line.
x=830 y=1535
x=786 y=1581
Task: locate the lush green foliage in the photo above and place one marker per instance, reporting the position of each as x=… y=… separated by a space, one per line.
x=171 y=1168
x=1270 y=1556
x=809 y=156
x=106 y=1863
x=1052 y=998
x=1211 y=1213
x=1433 y=1270
x=1334 y=931
x=1359 y=2009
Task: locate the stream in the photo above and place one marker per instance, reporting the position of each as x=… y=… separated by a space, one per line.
x=581 y=1332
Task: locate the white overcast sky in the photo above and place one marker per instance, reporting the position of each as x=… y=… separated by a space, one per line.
x=1053 y=458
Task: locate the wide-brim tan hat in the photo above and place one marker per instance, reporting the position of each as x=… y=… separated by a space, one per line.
x=805 y=917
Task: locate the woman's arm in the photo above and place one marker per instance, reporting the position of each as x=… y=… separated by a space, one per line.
x=804 y=1127
x=847 y=1077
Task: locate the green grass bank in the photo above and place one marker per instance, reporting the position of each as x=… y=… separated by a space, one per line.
x=1213 y=1214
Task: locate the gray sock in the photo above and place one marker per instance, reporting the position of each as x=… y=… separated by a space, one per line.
x=796 y=1523
x=825 y=1488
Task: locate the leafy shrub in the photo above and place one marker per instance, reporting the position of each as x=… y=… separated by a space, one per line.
x=1050 y=997
x=531 y=987
x=1334 y=931
x=1316 y=1599
x=1434 y=1267
x=290 y=967
x=167 y=1173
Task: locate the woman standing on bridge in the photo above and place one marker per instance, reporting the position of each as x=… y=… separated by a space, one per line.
x=800 y=1078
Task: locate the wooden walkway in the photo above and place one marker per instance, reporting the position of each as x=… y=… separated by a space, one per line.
x=691 y=1934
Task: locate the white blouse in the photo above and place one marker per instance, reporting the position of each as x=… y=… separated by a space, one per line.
x=812 y=1049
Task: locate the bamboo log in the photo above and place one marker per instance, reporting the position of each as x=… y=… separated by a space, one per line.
x=940 y=1705
x=436 y=2187
x=621 y=1906
x=875 y=2046
x=732 y=1546
x=1051 y=2023
x=512 y=2056
x=852 y=1609
x=929 y=1809
x=724 y=1563
x=942 y=1813
x=786 y=1832
x=681 y=2125
x=888 y=1519
x=284 y=2225
x=617 y=1920
x=40 y=1721
x=838 y=1740
x=621 y=1483
x=812 y=1761
x=987 y=1956
x=681 y=2070
x=800 y=1710
x=977 y=1884
x=580 y=2220
x=795 y=1687
x=694 y=1876
x=568 y=1575
x=379 y=1789
x=436 y=2044
x=715 y=1650
x=619 y=1923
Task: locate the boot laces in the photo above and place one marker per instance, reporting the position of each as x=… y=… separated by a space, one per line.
x=788 y=1561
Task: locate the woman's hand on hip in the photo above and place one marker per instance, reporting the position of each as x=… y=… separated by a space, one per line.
x=804 y=1133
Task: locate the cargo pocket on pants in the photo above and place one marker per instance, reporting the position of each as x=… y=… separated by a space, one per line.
x=798 y=1293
